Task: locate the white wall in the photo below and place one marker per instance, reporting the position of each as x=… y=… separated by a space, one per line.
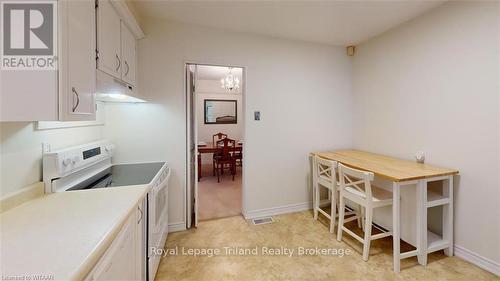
x=433 y=84
x=302 y=90
x=210 y=89
x=21 y=150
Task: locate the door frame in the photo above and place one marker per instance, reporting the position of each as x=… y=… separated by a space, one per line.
x=190 y=194
x=188 y=212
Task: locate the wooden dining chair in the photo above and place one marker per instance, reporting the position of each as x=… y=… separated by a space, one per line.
x=216 y=138
x=225 y=158
x=238 y=155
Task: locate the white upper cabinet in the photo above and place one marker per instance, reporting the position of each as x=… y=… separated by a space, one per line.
x=128 y=55
x=79 y=70
x=108 y=39
x=116 y=44
x=65 y=92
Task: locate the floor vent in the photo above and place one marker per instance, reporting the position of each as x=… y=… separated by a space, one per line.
x=261 y=221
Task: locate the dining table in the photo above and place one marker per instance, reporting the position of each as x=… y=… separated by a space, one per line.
x=212 y=148
x=410 y=174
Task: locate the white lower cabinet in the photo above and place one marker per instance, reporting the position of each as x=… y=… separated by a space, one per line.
x=125 y=258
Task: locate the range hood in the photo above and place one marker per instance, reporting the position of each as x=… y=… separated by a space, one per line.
x=110 y=89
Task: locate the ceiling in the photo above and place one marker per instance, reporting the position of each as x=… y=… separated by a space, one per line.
x=206 y=72
x=340 y=23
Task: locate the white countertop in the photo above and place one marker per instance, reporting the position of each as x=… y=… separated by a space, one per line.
x=63 y=235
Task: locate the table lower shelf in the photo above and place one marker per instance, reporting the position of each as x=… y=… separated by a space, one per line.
x=435 y=199
x=435 y=242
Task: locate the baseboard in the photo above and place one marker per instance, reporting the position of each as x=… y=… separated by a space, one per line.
x=478 y=260
x=177 y=226
x=292 y=208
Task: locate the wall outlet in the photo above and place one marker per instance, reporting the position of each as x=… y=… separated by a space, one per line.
x=45 y=147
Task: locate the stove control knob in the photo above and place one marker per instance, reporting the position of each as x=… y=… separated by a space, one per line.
x=108 y=148
x=66 y=161
x=75 y=159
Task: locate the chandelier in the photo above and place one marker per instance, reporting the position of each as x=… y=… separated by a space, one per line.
x=230 y=82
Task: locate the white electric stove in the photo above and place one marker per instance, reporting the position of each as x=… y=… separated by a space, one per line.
x=89 y=166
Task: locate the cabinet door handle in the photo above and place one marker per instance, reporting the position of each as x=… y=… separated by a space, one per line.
x=142 y=214
x=119 y=62
x=75 y=106
x=128 y=68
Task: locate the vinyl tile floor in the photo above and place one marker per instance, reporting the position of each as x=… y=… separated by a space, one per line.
x=196 y=257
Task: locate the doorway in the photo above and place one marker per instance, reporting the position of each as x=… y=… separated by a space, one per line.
x=215 y=140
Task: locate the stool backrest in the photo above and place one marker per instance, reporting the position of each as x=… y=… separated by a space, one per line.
x=357 y=179
x=326 y=171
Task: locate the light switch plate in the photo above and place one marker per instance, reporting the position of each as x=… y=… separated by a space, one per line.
x=256 y=115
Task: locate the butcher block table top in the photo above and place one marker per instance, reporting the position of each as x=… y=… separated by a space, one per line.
x=387 y=167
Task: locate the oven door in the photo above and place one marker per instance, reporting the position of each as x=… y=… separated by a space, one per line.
x=158 y=221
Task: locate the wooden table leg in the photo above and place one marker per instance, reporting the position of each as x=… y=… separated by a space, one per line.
x=395 y=226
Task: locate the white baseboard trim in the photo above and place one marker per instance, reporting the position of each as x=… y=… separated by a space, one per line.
x=292 y=208
x=176 y=226
x=478 y=260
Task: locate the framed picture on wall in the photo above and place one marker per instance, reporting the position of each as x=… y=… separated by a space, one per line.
x=220 y=111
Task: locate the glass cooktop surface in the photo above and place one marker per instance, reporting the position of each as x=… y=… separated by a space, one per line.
x=122 y=175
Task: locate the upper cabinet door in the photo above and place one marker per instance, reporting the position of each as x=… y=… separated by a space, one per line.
x=108 y=39
x=128 y=55
x=78 y=83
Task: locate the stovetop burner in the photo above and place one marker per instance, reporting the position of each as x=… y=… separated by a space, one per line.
x=122 y=175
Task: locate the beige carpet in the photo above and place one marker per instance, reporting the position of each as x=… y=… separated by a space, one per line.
x=293 y=231
x=218 y=200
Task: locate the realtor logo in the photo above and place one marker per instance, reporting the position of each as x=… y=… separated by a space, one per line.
x=28 y=35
